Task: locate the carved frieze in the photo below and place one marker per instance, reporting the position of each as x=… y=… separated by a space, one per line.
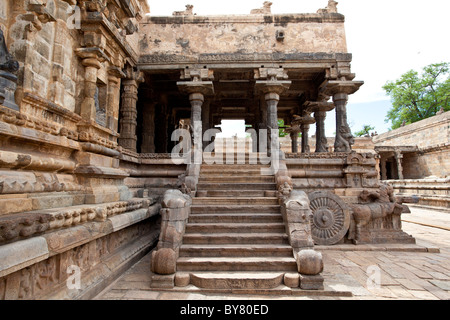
x=22 y=120
x=25 y=225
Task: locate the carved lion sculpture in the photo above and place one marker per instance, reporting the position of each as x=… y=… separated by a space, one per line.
x=375 y=205
x=345 y=140
x=188 y=12
x=266 y=9
x=331 y=7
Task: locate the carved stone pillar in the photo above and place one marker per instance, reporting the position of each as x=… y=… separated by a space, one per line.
x=272 y=100
x=320 y=110
x=91 y=66
x=305 y=138
x=294 y=141
x=112 y=109
x=205 y=121
x=303 y=124
x=344 y=137
x=274 y=83
x=128 y=121
x=198 y=85
x=91 y=60
x=196 y=100
x=399 y=159
x=321 y=138
x=340 y=90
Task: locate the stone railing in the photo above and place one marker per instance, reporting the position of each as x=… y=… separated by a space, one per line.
x=297 y=217
x=176 y=208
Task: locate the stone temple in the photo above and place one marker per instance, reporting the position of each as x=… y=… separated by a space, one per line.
x=108 y=119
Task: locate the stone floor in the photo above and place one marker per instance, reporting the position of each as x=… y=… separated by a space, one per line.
x=371 y=272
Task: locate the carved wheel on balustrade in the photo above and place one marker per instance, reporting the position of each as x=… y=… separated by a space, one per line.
x=331 y=218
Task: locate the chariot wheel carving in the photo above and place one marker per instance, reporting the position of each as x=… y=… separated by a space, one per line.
x=331 y=218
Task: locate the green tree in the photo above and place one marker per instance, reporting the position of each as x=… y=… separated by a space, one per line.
x=365 y=131
x=416 y=97
x=281 y=125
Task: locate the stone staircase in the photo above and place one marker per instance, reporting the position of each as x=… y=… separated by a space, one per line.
x=235 y=237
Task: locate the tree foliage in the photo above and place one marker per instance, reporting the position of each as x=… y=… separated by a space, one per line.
x=281 y=125
x=416 y=97
x=365 y=131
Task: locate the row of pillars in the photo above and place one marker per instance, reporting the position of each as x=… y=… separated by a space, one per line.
x=270 y=83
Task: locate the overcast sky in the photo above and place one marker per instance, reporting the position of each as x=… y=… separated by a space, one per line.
x=386 y=37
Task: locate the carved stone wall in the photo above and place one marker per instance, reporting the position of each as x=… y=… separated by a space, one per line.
x=241 y=34
x=63 y=196
x=96 y=260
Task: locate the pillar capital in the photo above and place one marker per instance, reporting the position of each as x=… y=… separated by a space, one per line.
x=270 y=88
x=271 y=81
x=336 y=87
x=318 y=106
x=197 y=97
x=196 y=87
x=92 y=55
x=196 y=81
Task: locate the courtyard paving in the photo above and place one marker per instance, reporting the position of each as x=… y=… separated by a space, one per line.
x=369 y=272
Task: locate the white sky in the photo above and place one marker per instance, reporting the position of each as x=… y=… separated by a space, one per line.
x=386 y=37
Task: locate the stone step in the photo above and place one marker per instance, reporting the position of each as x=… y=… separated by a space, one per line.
x=212 y=228
x=247 y=208
x=230 y=172
x=236 y=179
x=232 y=167
x=236 y=193
x=237 y=280
x=237 y=250
x=235 y=218
x=209 y=186
x=234 y=154
x=235 y=201
x=287 y=264
x=236 y=238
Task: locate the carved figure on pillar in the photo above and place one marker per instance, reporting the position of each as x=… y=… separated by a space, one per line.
x=340 y=91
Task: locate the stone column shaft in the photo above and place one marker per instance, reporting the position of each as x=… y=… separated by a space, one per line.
x=321 y=139
x=399 y=158
x=305 y=138
x=294 y=141
x=205 y=121
x=112 y=110
x=91 y=66
x=344 y=138
x=128 y=121
x=272 y=100
x=197 y=100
